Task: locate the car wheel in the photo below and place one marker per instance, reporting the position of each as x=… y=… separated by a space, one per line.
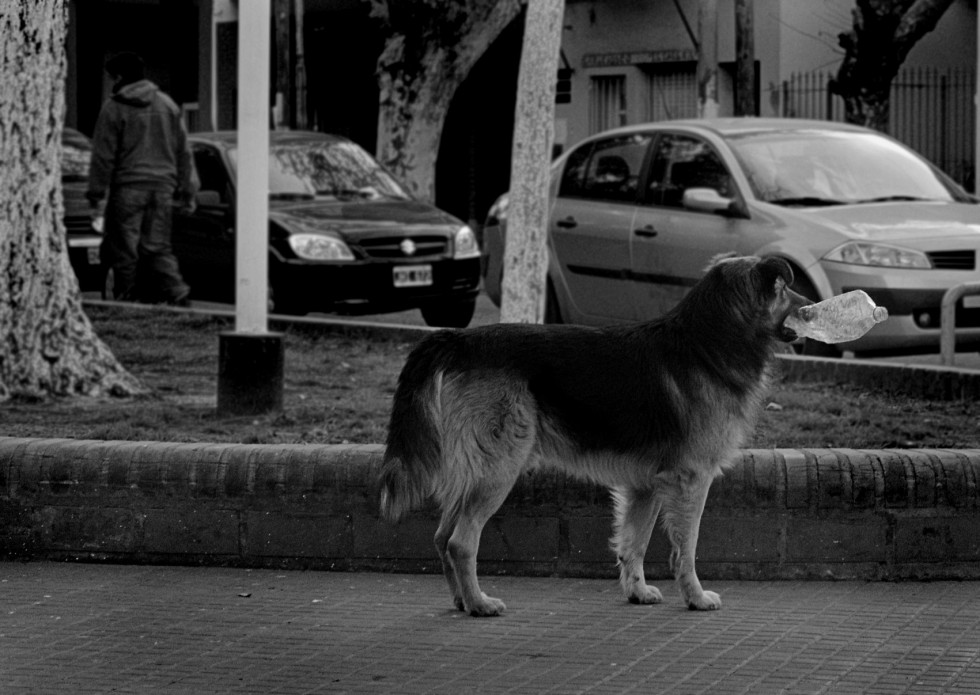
x=814 y=348
x=449 y=314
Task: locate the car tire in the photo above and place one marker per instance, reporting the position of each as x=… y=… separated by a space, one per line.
x=813 y=348
x=449 y=314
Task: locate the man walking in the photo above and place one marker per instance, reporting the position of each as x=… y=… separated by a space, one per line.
x=141 y=159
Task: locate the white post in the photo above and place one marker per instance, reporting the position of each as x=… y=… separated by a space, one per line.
x=250 y=359
x=252 y=211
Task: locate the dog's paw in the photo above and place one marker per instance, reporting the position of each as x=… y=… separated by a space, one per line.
x=707 y=601
x=486 y=607
x=645 y=595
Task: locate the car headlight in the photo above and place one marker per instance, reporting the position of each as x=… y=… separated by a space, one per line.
x=464 y=244
x=317 y=247
x=867 y=253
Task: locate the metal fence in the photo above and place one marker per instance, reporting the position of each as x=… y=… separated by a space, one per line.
x=932 y=111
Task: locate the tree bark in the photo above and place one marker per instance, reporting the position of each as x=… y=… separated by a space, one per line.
x=431 y=47
x=883 y=33
x=47 y=344
x=285 y=76
x=707 y=71
x=526 y=254
x=745 y=58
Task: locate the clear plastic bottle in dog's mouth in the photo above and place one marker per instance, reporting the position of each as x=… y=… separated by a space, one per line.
x=839 y=319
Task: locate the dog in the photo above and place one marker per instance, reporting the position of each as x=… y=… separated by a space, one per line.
x=653 y=410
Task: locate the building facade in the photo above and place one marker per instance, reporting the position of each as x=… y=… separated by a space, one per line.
x=622 y=62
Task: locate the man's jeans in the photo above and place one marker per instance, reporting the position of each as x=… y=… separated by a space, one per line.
x=137 y=246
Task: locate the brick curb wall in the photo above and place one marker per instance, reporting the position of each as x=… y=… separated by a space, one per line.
x=815 y=513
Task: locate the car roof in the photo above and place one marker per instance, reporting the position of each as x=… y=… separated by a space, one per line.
x=229 y=138
x=743 y=125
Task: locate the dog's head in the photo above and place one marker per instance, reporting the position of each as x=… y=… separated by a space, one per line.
x=760 y=290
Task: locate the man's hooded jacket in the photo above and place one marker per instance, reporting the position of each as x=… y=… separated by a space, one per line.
x=140 y=141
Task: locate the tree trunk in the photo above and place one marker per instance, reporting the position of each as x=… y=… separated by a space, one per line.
x=431 y=48
x=745 y=58
x=526 y=253
x=285 y=76
x=882 y=34
x=47 y=344
x=707 y=71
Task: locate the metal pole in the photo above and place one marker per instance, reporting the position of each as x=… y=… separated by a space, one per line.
x=947 y=319
x=250 y=359
x=252 y=212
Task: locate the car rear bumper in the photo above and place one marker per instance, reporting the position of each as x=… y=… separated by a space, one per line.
x=370 y=287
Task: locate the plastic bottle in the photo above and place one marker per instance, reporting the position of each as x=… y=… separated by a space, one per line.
x=839 y=319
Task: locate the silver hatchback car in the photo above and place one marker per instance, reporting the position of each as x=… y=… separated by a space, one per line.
x=638 y=212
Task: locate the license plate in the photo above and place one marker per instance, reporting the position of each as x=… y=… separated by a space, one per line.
x=412 y=275
x=93 y=255
x=971 y=301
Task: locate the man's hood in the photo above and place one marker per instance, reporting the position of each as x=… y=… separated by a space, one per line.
x=139 y=93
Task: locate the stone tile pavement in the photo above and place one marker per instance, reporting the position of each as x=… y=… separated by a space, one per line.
x=88 y=628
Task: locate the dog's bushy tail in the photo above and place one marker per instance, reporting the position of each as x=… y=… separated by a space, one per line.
x=414 y=456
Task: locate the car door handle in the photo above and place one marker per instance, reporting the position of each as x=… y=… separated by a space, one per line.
x=647 y=231
x=567 y=223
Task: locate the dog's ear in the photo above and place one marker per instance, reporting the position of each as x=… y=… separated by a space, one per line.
x=772 y=270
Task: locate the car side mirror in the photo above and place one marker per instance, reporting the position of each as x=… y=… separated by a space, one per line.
x=707 y=200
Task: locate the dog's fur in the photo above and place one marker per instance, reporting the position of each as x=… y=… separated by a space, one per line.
x=653 y=410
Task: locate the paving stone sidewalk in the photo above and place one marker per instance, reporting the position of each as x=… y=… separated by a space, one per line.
x=85 y=628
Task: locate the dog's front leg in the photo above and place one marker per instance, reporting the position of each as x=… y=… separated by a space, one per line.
x=636 y=516
x=683 y=506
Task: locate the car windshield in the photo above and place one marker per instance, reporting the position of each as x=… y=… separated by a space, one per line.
x=337 y=169
x=824 y=167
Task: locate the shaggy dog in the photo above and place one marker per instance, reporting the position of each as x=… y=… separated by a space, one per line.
x=654 y=410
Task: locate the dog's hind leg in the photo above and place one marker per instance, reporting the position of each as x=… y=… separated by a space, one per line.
x=481 y=503
x=447 y=524
x=636 y=516
x=683 y=505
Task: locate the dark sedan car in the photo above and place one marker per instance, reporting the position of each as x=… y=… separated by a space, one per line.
x=344 y=235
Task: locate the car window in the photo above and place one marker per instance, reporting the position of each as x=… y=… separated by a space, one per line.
x=812 y=166
x=318 y=168
x=613 y=169
x=76 y=153
x=573 y=176
x=211 y=171
x=681 y=162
